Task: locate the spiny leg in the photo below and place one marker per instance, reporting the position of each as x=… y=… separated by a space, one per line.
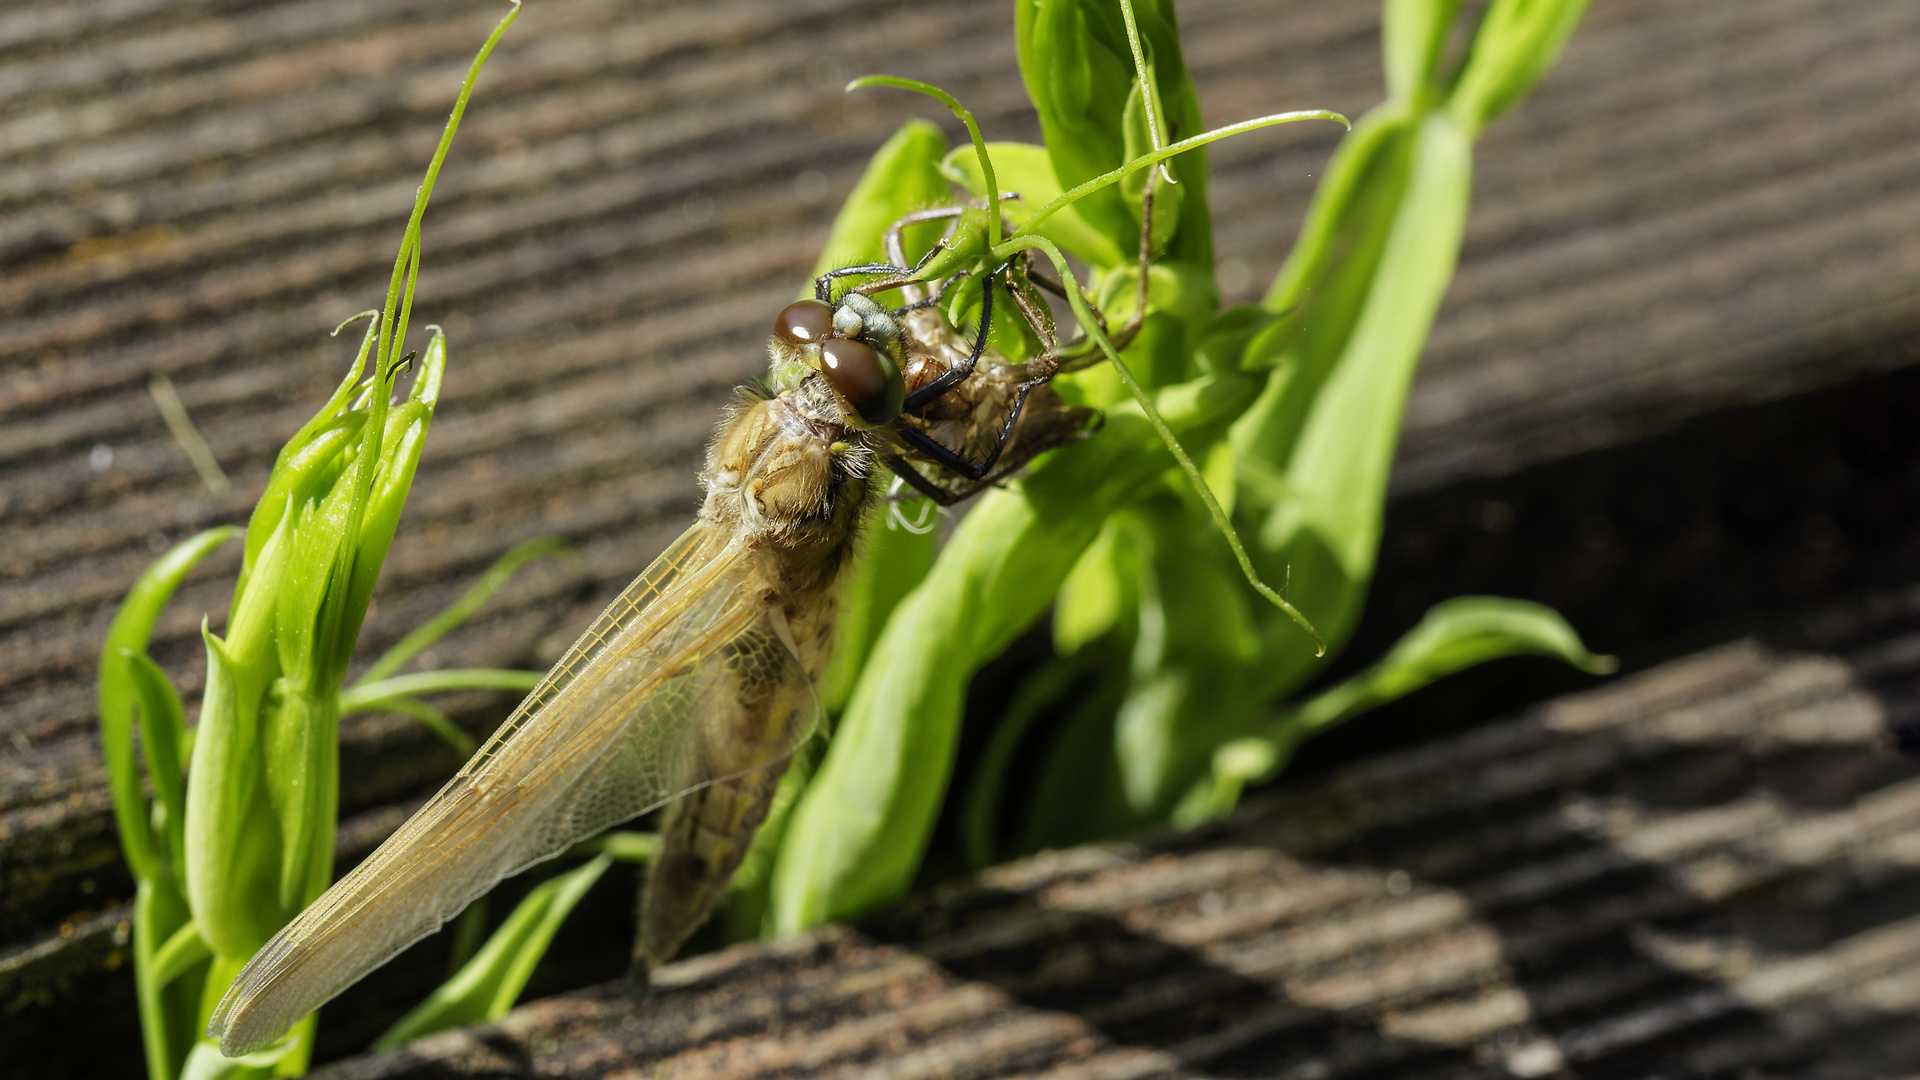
x=895 y=243
x=824 y=283
x=967 y=489
x=918 y=482
x=955 y=463
x=938 y=298
x=960 y=371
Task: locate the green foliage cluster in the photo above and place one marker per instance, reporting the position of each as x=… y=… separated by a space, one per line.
x=1177 y=681
x=238 y=834
x=1173 y=678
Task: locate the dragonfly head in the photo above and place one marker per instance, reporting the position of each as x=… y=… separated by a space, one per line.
x=855 y=346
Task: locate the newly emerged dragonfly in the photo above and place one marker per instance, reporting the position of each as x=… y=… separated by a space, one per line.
x=696 y=684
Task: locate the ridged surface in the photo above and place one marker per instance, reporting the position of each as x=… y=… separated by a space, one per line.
x=1705 y=204
x=1707 y=869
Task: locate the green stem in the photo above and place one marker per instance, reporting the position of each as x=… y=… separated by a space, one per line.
x=183 y=950
x=365 y=696
x=458 y=612
x=406 y=270
x=973 y=133
x=1146 y=84
x=429 y=717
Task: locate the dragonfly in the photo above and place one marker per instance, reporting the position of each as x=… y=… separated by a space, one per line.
x=694 y=687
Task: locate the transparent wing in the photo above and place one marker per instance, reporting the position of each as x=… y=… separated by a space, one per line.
x=624 y=722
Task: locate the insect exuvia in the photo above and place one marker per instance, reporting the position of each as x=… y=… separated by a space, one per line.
x=696 y=684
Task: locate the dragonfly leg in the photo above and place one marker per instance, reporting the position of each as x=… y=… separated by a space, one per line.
x=955 y=463
x=1084 y=422
x=896 y=246
x=823 y=285
x=918 y=482
x=956 y=374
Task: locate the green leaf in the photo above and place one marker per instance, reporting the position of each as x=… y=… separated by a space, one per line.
x=399 y=460
x=318 y=533
x=1357 y=197
x=117 y=692
x=1517 y=43
x=1097 y=592
x=488 y=985
x=342 y=395
x=1078 y=68
x=1323 y=433
x=298 y=479
x=182 y=950
x=893 y=555
x=1236 y=764
x=1194 y=651
x=232 y=836
x=430 y=718
x=1455 y=635
x=1412 y=33
x=300 y=734
x=162 y=726
x=1339 y=468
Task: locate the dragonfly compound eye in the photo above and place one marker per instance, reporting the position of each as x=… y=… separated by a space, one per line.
x=867 y=380
x=804 y=322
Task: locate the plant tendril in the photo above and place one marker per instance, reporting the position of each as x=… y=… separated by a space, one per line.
x=973 y=133
x=1081 y=191
x=1146 y=85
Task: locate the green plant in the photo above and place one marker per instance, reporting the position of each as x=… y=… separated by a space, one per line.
x=238 y=834
x=1174 y=677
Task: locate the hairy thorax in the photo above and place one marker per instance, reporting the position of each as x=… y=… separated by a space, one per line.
x=791 y=484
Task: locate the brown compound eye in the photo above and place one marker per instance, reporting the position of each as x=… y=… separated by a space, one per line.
x=868 y=381
x=804 y=322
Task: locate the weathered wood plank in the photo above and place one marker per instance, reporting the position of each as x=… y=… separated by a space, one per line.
x=1704 y=868
x=1706 y=205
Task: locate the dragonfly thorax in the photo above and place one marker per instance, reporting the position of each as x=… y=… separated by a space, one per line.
x=786 y=476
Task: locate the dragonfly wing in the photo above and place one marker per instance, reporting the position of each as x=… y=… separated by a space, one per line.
x=623 y=723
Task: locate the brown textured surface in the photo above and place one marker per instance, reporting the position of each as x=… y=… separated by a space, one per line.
x=1706 y=204
x=1651 y=877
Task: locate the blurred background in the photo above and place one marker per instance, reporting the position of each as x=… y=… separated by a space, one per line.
x=1673 y=392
